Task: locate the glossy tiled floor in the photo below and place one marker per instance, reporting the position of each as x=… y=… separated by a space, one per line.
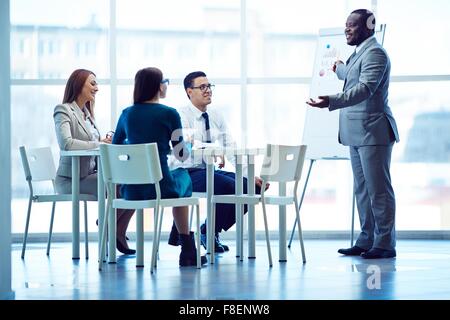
x=420 y=271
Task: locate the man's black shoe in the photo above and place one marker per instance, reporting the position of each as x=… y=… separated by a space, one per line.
x=377 y=253
x=218 y=248
x=353 y=251
x=217 y=240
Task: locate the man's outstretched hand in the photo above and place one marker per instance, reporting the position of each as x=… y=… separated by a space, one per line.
x=322 y=102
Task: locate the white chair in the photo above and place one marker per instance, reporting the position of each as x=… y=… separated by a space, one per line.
x=38 y=165
x=281 y=164
x=139 y=164
x=200 y=195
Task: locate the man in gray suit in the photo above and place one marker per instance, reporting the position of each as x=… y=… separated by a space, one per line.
x=367 y=126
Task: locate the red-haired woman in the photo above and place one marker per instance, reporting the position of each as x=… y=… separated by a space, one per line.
x=76 y=130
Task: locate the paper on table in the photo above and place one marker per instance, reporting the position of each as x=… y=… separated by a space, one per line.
x=197 y=144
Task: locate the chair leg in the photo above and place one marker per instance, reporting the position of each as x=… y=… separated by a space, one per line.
x=241 y=235
x=190 y=219
x=197 y=235
x=50 y=231
x=25 y=235
x=300 y=236
x=155 y=232
x=86 y=231
x=269 y=252
x=211 y=233
x=139 y=238
x=160 y=218
x=103 y=234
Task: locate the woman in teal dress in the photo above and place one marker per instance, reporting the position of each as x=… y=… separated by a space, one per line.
x=148 y=121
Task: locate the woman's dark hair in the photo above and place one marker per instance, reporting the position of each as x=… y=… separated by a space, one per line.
x=74 y=86
x=146 y=84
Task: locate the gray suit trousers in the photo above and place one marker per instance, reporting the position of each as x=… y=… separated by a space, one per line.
x=88 y=185
x=375 y=197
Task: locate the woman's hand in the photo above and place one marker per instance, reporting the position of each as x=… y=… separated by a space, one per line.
x=109 y=137
x=221 y=160
x=259 y=181
x=107 y=140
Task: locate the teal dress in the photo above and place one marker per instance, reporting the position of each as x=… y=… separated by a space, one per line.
x=147 y=123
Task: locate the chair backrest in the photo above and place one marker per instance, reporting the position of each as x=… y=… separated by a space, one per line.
x=38 y=163
x=283 y=163
x=130 y=164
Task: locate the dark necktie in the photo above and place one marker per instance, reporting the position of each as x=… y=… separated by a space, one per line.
x=208 y=131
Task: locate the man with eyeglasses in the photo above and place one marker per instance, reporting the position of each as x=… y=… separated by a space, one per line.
x=208 y=126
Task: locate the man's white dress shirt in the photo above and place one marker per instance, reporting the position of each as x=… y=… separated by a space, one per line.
x=194 y=131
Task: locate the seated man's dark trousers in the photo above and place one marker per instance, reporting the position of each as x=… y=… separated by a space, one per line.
x=224 y=183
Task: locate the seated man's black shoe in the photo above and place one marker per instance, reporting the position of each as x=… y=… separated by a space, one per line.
x=353 y=251
x=217 y=240
x=174 y=236
x=218 y=248
x=203 y=239
x=377 y=253
x=123 y=249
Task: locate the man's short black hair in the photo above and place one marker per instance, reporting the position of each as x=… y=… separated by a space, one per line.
x=189 y=79
x=367 y=19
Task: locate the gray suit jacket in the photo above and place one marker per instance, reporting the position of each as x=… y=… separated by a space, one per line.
x=72 y=134
x=365 y=117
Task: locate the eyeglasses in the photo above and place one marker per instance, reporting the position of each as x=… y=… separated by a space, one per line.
x=109 y=134
x=165 y=81
x=204 y=87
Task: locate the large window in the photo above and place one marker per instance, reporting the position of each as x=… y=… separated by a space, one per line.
x=260 y=54
x=49 y=39
x=179 y=37
x=282 y=34
x=417 y=36
x=421 y=162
